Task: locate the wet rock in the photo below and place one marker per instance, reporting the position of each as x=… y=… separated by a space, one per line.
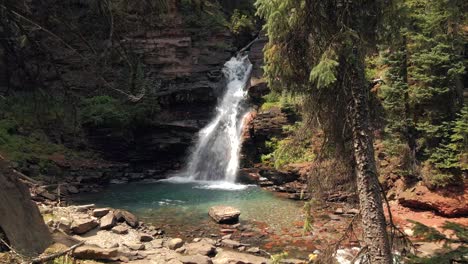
x=229 y=257
x=145 y=238
x=121 y=230
x=108 y=221
x=95 y=253
x=230 y=243
x=195 y=259
x=129 y=218
x=201 y=248
x=83 y=225
x=175 y=243
x=100 y=212
x=224 y=214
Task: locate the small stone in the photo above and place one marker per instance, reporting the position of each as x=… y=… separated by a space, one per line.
x=64 y=225
x=120 y=230
x=157 y=243
x=353 y=211
x=227 y=236
x=180 y=250
x=145 y=238
x=197 y=239
x=339 y=211
x=135 y=246
x=108 y=221
x=227 y=231
x=254 y=250
x=230 y=243
x=241 y=248
x=100 y=212
x=175 y=243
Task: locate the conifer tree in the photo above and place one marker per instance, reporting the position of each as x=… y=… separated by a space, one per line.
x=317 y=48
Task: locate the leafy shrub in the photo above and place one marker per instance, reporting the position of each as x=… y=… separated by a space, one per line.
x=241 y=23
x=104 y=111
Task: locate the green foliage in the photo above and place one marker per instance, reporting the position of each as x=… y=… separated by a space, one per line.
x=202 y=14
x=444 y=256
x=422 y=95
x=241 y=22
x=277 y=258
x=426 y=232
x=292 y=149
x=104 y=111
x=323 y=74
x=459 y=255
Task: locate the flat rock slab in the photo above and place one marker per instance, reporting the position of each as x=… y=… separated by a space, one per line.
x=100 y=212
x=201 y=248
x=228 y=257
x=224 y=214
x=96 y=253
x=83 y=225
x=107 y=221
x=196 y=259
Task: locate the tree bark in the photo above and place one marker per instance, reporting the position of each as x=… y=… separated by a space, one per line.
x=373 y=218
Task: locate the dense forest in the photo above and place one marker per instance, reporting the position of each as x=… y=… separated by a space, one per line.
x=347 y=103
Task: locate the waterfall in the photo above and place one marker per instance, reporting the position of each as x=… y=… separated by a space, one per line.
x=215 y=156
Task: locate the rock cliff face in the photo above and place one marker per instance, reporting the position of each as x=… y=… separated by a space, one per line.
x=179 y=62
x=188 y=71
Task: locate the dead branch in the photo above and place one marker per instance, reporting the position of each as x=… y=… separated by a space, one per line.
x=55 y=255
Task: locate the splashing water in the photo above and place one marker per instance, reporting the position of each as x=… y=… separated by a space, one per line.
x=216 y=154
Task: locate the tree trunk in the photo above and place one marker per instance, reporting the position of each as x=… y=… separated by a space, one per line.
x=373 y=218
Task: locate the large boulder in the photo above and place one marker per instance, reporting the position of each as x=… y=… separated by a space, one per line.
x=107 y=221
x=21 y=224
x=230 y=257
x=126 y=216
x=224 y=214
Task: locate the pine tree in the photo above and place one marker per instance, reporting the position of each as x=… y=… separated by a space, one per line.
x=317 y=48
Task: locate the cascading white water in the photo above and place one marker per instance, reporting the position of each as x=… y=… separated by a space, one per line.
x=216 y=154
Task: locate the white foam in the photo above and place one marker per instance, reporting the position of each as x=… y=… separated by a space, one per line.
x=208 y=185
x=228 y=186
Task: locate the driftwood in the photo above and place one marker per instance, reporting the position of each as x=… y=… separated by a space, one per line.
x=55 y=255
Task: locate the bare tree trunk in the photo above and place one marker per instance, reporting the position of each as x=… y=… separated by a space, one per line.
x=373 y=218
